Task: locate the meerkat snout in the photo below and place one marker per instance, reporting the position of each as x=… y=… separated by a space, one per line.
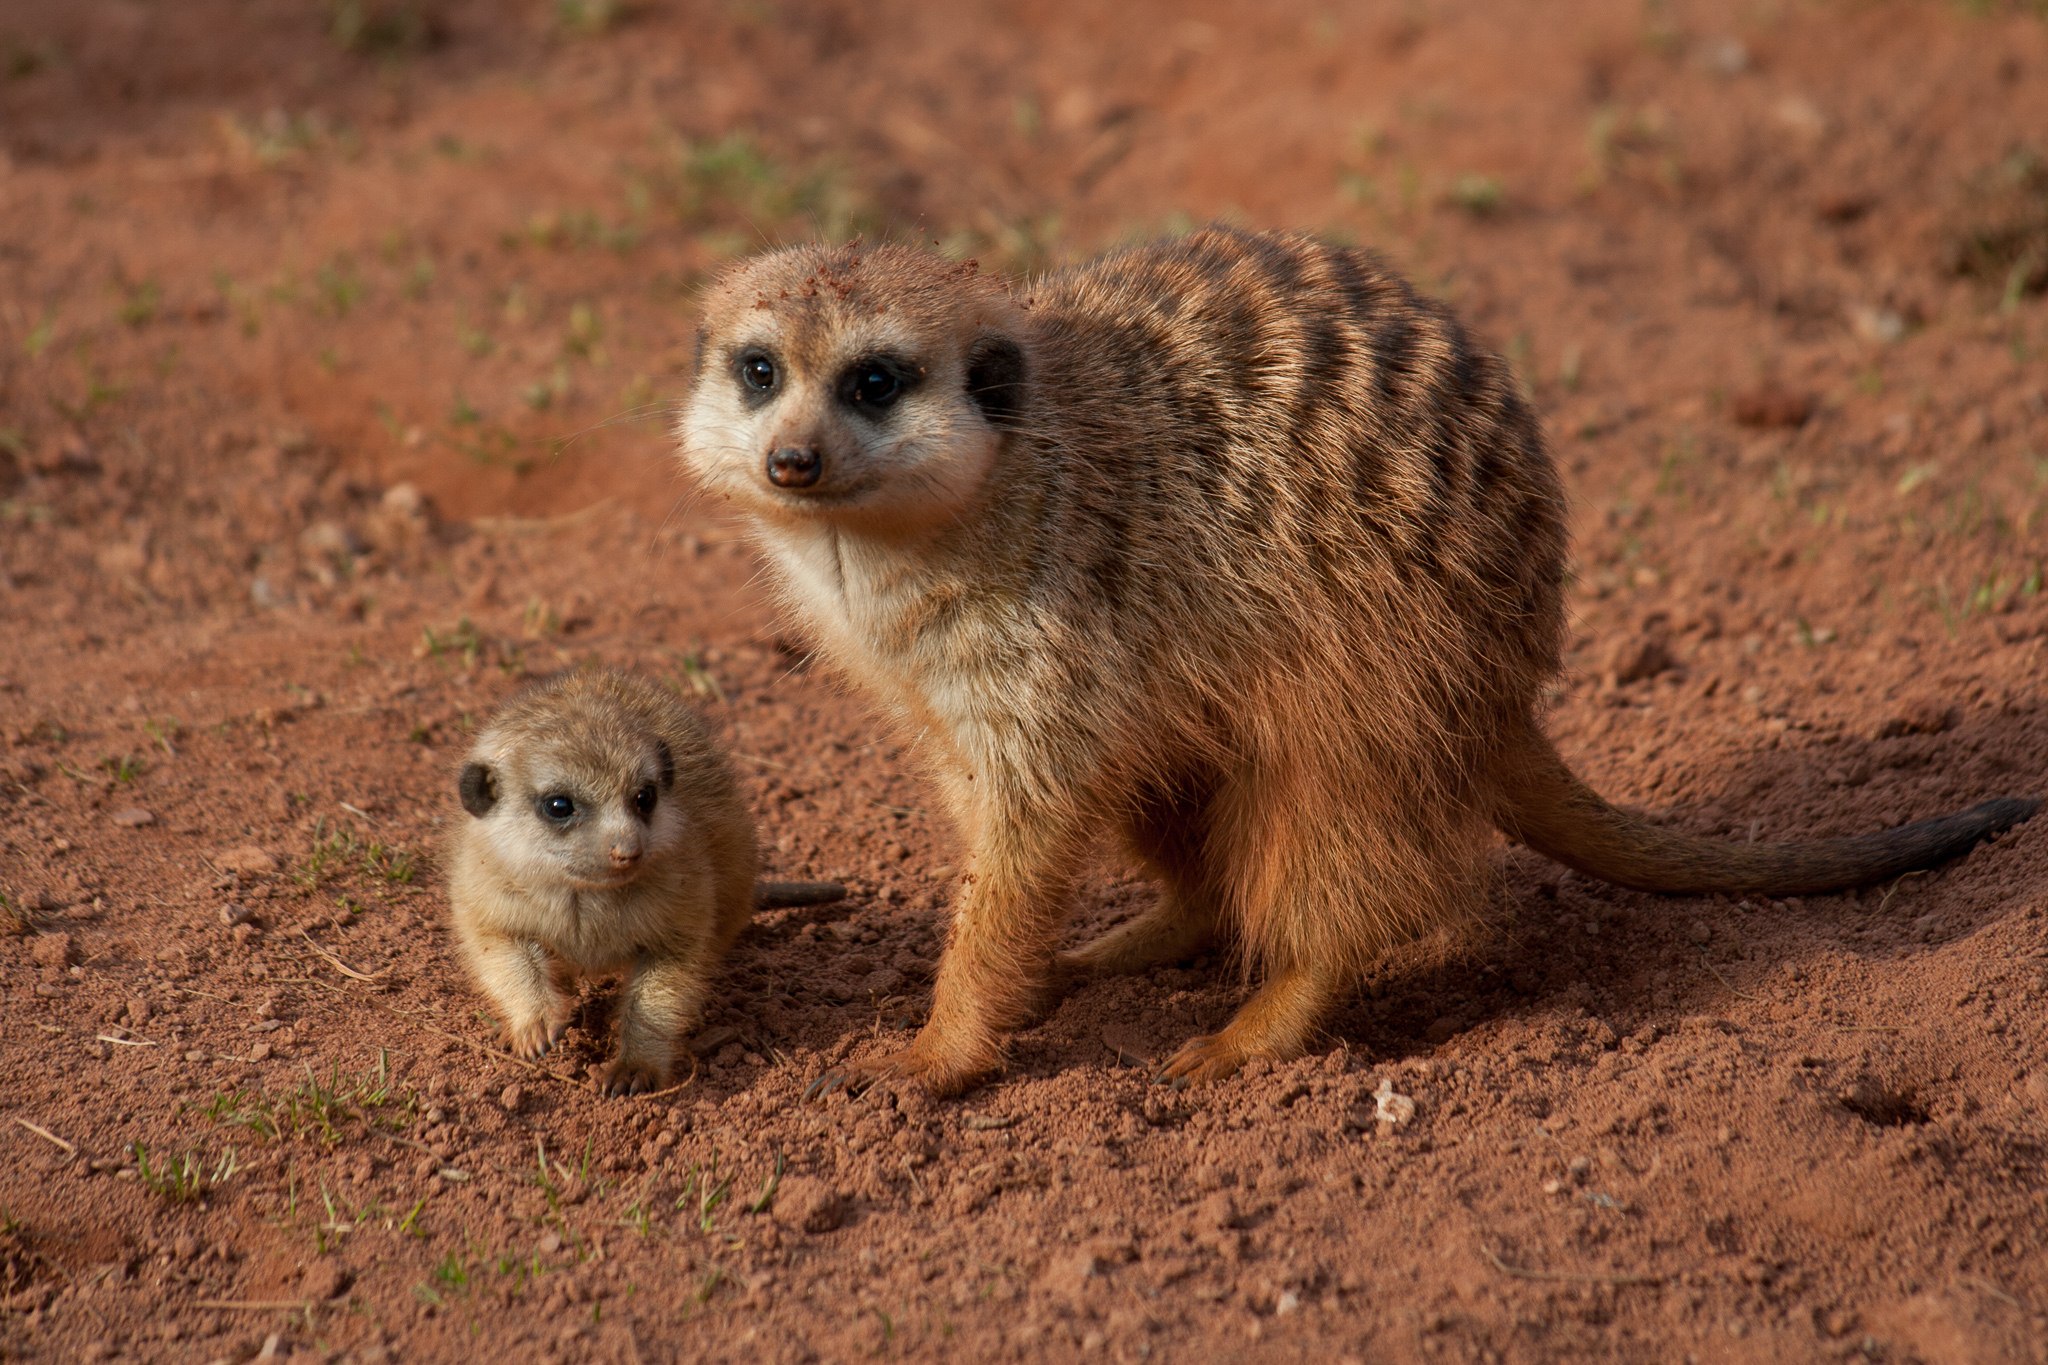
x=795 y=466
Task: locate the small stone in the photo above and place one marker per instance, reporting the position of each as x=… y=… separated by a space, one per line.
x=260 y=1053
x=232 y=914
x=138 y=1012
x=1218 y=1212
x=1631 y=661
x=1069 y=1275
x=51 y=950
x=322 y=1281
x=1770 y=405
x=511 y=1097
x=550 y=1243
x=132 y=817
x=185 y=1246
x=1288 y=1302
x=1390 y=1107
x=1553 y=1186
x=1699 y=931
x=246 y=859
x=194 y=1055
x=806 y=1204
x=1879 y=325
x=1922 y=717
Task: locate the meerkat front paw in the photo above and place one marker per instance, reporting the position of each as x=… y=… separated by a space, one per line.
x=943 y=1071
x=534 y=1038
x=633 y=1076
x=1211 y=1057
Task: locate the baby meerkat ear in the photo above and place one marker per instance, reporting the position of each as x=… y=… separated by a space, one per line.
x=995 y=377
x=668 y=764
x=479 y=789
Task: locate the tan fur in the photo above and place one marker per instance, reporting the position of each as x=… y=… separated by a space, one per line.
x=1233 y=546
x=658 y=894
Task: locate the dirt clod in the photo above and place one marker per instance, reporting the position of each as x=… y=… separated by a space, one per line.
x=807 y=1204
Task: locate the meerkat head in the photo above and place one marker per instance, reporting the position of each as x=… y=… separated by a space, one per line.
x=565 y=788
x=867 y=386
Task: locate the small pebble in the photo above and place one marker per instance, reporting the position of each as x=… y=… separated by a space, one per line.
x=232 y=914
x=511 y=1097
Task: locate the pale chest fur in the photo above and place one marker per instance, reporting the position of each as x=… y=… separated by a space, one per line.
x=593 y=930
x=938 y=662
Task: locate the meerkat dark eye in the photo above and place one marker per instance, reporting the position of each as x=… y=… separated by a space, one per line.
x=644 y=799
x=557 y=807
x=757 y=373
x=876 y=387
x=875 y=384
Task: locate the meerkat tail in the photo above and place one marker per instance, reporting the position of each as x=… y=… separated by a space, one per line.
x=787 y=895
x=1547 y=807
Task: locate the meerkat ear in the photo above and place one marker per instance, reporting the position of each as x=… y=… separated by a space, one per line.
x=479 y=789
x=668 y=764
x=995 y=377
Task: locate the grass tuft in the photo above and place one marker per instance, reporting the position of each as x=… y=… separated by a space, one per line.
x=185 y=1179
x=324 y=1111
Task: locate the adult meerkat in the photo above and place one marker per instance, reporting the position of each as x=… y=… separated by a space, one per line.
x=1234 y=545
x=607 y=834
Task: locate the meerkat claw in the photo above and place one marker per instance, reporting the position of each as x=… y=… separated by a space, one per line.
x=531 y=1042
x=631 y=1078
x=826 y=1083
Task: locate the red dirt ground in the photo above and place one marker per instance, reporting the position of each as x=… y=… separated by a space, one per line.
x=299 y=306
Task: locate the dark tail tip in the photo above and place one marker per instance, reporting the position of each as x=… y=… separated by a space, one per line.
x=1997 y=816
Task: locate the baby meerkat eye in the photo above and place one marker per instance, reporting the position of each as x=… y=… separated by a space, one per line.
x=557 y=807
x=757 y=371
x=644 y=799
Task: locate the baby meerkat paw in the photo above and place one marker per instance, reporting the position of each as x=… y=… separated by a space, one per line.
x=633 y=1076
x=534 y=1038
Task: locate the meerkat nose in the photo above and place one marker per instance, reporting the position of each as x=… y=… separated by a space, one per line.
x=623 y=856
x=795 y=466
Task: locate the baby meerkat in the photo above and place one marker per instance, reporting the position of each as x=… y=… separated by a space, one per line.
x=607 y=834
x=1233 y=545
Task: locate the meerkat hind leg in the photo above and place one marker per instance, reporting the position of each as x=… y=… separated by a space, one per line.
x=1172 y=931
x=663 y=997
x=1171 y=836
x=1277 y=1023
x=519 y=978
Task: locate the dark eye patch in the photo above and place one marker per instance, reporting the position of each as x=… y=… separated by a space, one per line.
x=995 y=378
x=873 y=383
